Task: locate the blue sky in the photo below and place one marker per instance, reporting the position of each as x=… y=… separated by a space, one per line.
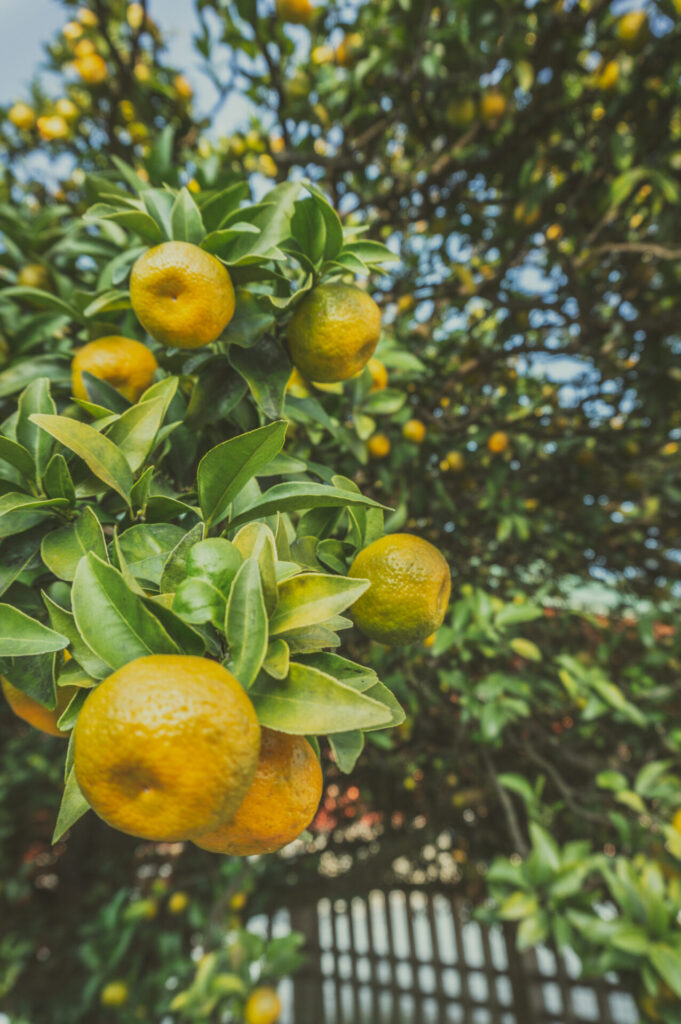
x=27 y=25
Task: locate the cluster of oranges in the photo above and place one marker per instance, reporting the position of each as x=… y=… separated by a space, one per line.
x=168 y=747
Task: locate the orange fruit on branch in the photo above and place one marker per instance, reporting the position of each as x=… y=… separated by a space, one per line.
x=92 y=68
x=127 y=365
x=378 y=446
x=35 y=713
x=280 y=804
x=166 y=748
x=409 y=591
x=414 y=431
x=498 y=442
x=297 y=12
x=181 y=294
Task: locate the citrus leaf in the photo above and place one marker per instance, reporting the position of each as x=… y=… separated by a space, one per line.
x=246 y=623
x=114 y=622
x=73 y=806
x=64 y=622
x=62 y=549
x=312 y=598
x=134 y=432
x=100 y=455
x=20 y=635
x=347 y=747
x=311 y=702
x=290 y=497
x=224 y=470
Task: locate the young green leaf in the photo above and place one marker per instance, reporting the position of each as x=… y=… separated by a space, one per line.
x=113 y=621
x=36 y=399
x=312 y=598
x=135 y=431
x=73 y=806
x=246 y=623
x=310 y=701
x=256 y=540
x=100 y=455
x=146 y=548
x=20 y=635
x=291 y=497
x=224 y=470
x=347 y=747
x=62 y=549
x=64 y=622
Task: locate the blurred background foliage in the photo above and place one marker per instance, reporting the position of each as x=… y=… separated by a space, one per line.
x=522 y=160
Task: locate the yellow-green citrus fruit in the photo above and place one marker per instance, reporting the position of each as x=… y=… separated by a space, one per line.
x=263 y=1007
x=178 y=902
x=182 y=295
x=22 y=116
x=409 y=591
x=34 y=275
x=333 y=332
x=114 y=994
x=166 y=748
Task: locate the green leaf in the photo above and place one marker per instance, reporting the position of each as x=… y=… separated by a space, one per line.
x=249 y=322
x=312 y=598
x=246 y=623
x=359 y=677
x=35 y=399
x=224 y=470
x=198 y=601
x=277 y=659
x=19 y=512
x=545 y=855
x=113 y=621
x=266 y=368
x=57 y=480
x=525 y=649
x=667 y=963
x=216 y=560
x=73 y=806
x=185 y=219
x=135 y=431
x=256 y=540
x=311 y=702
x=19 y=553
x=100 y=455
x=518 y=905
x=532 y=931
x=291 y=497
x=175 y=568
x=134 y=220
x=64 y=622
x=146 y=548
x=380 y=692
x=17 y=376
x=62 y=549
x=18 y=456
x=43 y=300
x=347 y=747
x=20 y=635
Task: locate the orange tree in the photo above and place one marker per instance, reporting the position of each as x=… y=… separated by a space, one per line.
x=520 y=411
